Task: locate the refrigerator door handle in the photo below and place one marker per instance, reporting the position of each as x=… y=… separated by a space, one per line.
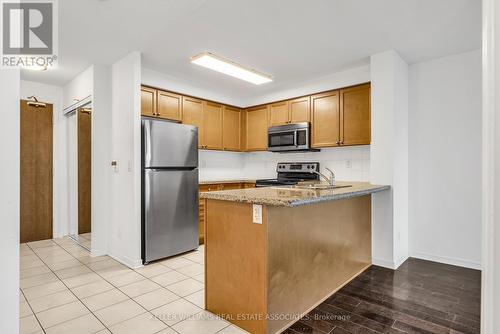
x=147 y=143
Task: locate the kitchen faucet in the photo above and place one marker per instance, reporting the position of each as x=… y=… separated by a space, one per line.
x=330 y=180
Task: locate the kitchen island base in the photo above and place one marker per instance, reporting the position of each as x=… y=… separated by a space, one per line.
x=264 y=277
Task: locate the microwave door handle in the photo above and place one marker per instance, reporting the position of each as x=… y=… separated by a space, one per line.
x=295 y=139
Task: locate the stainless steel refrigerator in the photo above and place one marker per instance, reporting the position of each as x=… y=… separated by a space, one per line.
x=169 y=189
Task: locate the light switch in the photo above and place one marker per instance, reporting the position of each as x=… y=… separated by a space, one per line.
x=257 y=214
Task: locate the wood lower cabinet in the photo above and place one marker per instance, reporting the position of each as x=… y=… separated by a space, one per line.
x=256 y=128
x=148 y=101
x=325 y=110
x=231 y=129
x=355 y=115
x=212 y=124
x=169 y=105
x=192 y=114
x=202 y=203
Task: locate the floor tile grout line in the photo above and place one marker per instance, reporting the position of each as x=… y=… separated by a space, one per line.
x=116 y=287
x=34 y=314
x=66 y=304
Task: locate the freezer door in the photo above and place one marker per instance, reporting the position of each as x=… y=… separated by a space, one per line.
x=167 y=144
x=170 y=212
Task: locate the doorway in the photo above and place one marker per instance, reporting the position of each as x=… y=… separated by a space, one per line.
x=84 y=167
x=36 y=171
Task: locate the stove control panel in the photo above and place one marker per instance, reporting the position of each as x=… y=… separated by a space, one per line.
x=297 y=167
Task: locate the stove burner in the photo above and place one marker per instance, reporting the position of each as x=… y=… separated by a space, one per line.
x=290 y=174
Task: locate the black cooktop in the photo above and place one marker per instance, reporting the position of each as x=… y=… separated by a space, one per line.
x=291 y=173
x=275 y=182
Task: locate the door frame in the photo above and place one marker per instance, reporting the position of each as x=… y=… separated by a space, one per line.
x=490 y=287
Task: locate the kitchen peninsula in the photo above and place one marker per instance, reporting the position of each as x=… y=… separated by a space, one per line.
x=274 y=253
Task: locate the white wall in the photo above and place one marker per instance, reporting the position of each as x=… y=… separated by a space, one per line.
x=125 y=221
x=101 y=158
x=445 y=159
x=161 y=80
x=9 y=200
x=54 y=95
x=337 y=80
x=79 y=87
x=389 y=158
x=348 y=163
x=490 y=289
x=340 y=79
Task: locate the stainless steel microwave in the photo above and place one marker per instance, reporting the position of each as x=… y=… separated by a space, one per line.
x=289 y=137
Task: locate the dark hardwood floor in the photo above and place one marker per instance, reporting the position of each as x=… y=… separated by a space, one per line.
x=420 y=297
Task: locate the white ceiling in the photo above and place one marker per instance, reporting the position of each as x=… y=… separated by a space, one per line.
x=293 y=40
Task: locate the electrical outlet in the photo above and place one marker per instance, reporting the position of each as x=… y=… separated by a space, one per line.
x=348 y=164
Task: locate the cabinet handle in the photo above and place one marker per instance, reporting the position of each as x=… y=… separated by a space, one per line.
x=157 y=114
x=341 y=142
x=337 y=142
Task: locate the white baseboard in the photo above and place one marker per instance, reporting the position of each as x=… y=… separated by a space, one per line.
x=132 y=264
x=400 y=262
x=384 y=263
x=97 y=252
x=447 y=260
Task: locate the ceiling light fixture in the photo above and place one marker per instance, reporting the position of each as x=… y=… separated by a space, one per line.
x=219 y=64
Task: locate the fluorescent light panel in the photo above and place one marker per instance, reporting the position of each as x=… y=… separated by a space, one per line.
x=219 y=64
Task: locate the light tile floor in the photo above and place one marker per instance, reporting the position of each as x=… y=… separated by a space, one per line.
x=65 y=290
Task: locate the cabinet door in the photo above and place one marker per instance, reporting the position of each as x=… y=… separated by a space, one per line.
x=148 y=101
x=230 y=186
x=355 y=115
x=231 y=123
x=278 y=113
x=300 y=110
x=201 y=221
x=325 y=119
x=169 y=106
x=192 y=113
x=257 y=124
x=212 y=122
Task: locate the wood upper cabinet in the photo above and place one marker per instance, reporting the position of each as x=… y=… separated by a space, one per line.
x=243 y=130
x=339 y=117
x=231 y=125
x=300 y=109
x=292 y=111
x=355 y=115
x=212 y=123
x=256 y=129
x=325 y=109
x=169 y=105
x=279 y=113
x=192 y=113
x=148 y=101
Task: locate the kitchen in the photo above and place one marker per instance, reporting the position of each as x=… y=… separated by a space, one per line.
x=195 y=177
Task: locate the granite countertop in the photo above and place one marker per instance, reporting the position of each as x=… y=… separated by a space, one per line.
x=227 y=181
x=292 y=197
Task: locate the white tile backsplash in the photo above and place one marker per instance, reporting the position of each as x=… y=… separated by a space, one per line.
x=348 y=163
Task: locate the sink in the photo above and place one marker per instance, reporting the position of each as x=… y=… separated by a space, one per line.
x=321 y=186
